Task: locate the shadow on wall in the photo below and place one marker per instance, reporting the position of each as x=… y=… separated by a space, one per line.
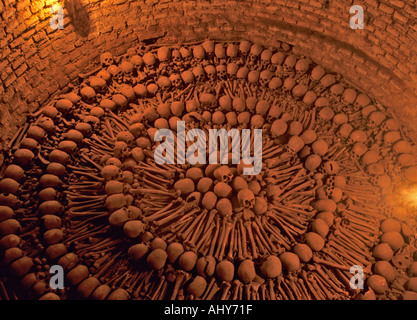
x=78 y=14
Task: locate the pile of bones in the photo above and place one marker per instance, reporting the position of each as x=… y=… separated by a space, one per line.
x=80 y=187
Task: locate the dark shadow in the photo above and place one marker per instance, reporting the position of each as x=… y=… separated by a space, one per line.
x=78 y=14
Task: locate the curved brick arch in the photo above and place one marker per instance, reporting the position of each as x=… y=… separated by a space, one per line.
x=37 y=62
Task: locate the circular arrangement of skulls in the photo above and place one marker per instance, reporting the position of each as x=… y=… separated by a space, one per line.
x=81 y=187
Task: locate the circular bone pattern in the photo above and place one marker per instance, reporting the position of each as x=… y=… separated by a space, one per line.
x=81 y=188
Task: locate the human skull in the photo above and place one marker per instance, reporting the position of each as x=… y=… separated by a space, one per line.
x=361 y=102
x=164 y=54
x=344 y=131
x=299 y=91
x=185 y=54
x=208 y=46
x=246 y=198
x=219 y=51
x=199 y=54
x=242 y=74
x=275 y=84
x=176 y=56
x=266 y=56
x=317 y=73
x=390 y=125
x=301 y=67
x=375 y=119
x=127 y=68
x=255 y=52
x=221 y=71
x=164 y=83
x=106 y=59
x=231 y=70
x=325 y=82
x=137 y=62
x=264 y=78
x=348 y=96
x=116 y=73
x=277 y=59
x=253 y=77
x=289 y=63
x=223 y=174
x=211 y=72
x=199 y=74
x=232 y=51
x=150 y=60
x=175 y=80
x=121 y=150
x=288 y=85
x=336 y=92
x=111 y=172
x=88 y=94
x=244 y=47
x=187 y=76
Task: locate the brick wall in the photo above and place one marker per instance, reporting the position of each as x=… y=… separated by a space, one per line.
x=37 y=61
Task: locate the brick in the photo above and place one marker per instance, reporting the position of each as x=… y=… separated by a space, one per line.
x=19 y=71
x=9 y=80
x=384 y=8
x=397 y=3
x=398 y=16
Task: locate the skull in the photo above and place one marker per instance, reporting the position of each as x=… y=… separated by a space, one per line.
x=391 y=137
x=253 y=77
x=232 y=51
x=186 y=55
x=150 y=60
x=231 y=70
x=348 y=96
x=47 y=124
x=301 y=67
x=390 y=125
x=264 y=78
x=275 y=84
x=317 y=73
x=175 y=80
x=88 y=94
x=137 y=62
x=277 y=59
x=336 y=92
x=289 y=64
x=266 y=58
x=357 y=136
x=163 y=54
x=116 y=73
x=344 y=131
x=246 y=198
x=255 y=52
x=199 y=54
x=375 y=119
x=106 y=59
x=361 y=102
x=223 y=174
x=164 y=83
x=299 y=91
x=121 y=150
x=242 y=73
x=221 y=71
x=325 y=82
x=211 y=72
x=199 y=74
x=288 y=85
x=358 y=150
x=127 y=68
x=176 y=56
x=208 y=46
x=111 y=172
x=219 y=51
x=105 y=75
x=187 y=76
x=244 y=47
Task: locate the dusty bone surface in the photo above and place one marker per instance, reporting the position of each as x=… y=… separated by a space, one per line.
x=80 y=186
